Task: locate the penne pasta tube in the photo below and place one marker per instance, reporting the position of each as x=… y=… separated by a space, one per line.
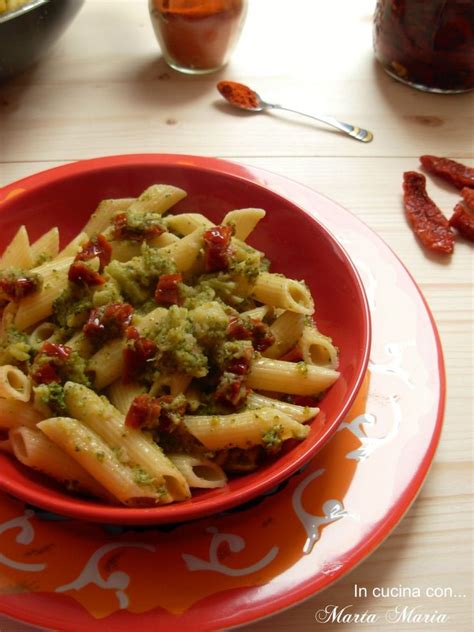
x=165 y=239
x=243 y=221
x=186 y=223
x=18 y=254
x=46 y=246
x=158 y=198
x=78 y=342
x=14 y=384
x=185 y=251
x=243 y=430
x=107 y=363
x=8 y=318
x=104 y=213
x=277 y=290
x=294 y=378
x=317 y=348
x=73 y=247
x=95 y=456
x=298 y=413
x=43 y=331
x=39 y=305
x=33 y=448
x=287 y=330
x=14 y=413
x=109 y=423
x=258 y=313
x=122 y=395
x=199 y=472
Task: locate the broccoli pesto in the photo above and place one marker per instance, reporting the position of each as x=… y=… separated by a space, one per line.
x=15 y=347
x=52 y=396
x=272 y=438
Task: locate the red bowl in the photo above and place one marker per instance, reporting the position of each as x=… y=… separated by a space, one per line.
x=294 y=241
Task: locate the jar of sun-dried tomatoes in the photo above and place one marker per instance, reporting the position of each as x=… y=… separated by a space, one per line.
x=197 y=36
x=428 y=44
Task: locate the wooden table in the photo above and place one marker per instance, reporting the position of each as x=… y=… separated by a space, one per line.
x=105 y=89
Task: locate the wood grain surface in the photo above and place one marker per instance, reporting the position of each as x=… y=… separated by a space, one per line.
x=104 y=89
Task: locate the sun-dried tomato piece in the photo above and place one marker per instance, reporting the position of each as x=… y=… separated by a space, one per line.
x=231 y=390
x=136 y=356
x=14 y=287
x=98 y=246
x=80 y=274
x=217 y=248
x=428 y=222
x=165 y=412
x=53 y=350
x=252 y=329
x=167 y=290
x=468 y=196
x=463 y=221
x=45 y=374
x=132 y=333
x=108 y=322
x=262 y=337
x=143 y=412
x=48 y=362
x=455 y=173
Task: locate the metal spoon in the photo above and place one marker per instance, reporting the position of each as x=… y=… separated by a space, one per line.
x=255 y=103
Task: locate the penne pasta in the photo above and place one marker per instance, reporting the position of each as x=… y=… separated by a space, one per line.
x=287 y=330
x=185 y=251
x=277 y=290
x=109 y=424
x=316 y=348
x=122 y=395
x=18 y=254
x=298 y=413
x=199 y=472
x=32 y=448
x=243 y=221
x=104 y=213
x=39 y=305
x=14 y=413
x=14 y=384
x=186 y=223
x=289 y=377
x=108 y=363
x=43 y=331
x=73 y=247
x=257 y=312
x=46 y=247
x=158 y=198
x=244 y=430
x=95 y=456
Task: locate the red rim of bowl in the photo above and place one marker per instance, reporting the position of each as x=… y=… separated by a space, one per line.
x=182 y=511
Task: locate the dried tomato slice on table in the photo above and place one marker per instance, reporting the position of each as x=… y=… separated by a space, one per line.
x=428 y=222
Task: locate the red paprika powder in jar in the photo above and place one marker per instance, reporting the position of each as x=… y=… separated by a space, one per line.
x=197 y=36
x=428 y=44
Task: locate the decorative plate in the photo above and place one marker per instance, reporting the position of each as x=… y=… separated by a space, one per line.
x=271 y=553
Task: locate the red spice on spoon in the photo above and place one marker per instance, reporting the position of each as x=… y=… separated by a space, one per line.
x=239 y=95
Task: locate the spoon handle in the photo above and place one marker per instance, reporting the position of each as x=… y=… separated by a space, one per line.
x=355 y=132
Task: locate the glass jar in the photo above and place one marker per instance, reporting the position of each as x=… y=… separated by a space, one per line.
x=197 y=36
x=428 y=44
